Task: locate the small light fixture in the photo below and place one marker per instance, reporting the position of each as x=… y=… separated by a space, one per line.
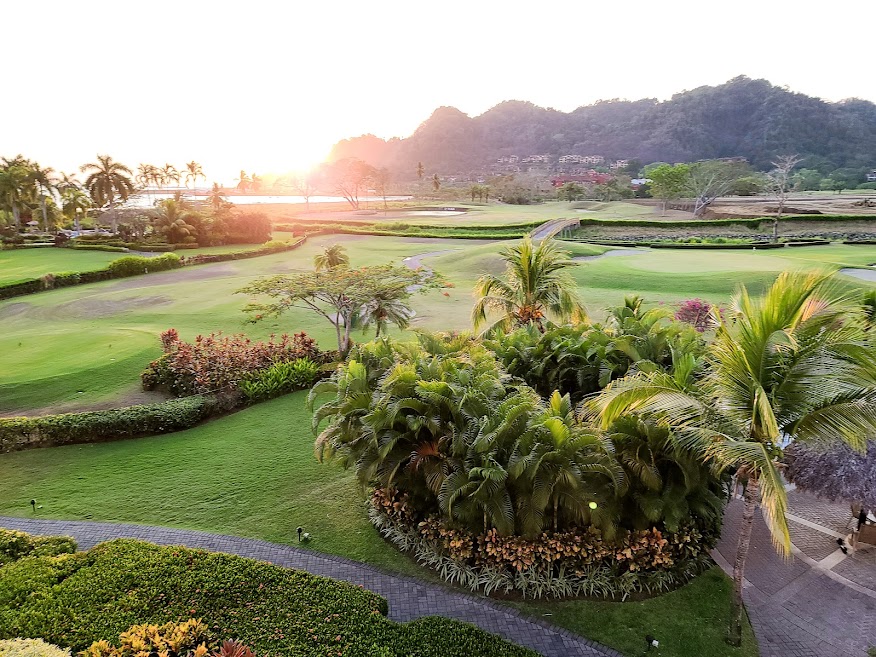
x=33 y=504
x=593 y=505
x=300 y=529
x=651 y=642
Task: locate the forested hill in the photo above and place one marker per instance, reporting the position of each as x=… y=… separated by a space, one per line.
x=744 y=117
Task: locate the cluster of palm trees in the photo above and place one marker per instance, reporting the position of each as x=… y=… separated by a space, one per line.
x=795 y=364
x=150 y=175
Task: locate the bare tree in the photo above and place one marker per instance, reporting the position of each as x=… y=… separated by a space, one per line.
x=778 y=183
x=306 y=186
x=710 y=180
x=381 y=184
x=347 y=177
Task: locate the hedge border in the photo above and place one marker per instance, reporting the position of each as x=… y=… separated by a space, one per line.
x=51 y=281
x=704 y=223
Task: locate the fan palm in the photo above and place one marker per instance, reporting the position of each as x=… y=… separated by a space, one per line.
x=43 y=183
x=535 y=286
x=108 y=181
x=175 y=220
x=331 y=257
x=794 y=364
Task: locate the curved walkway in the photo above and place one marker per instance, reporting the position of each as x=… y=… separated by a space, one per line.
x=408 y=598
x=818 y=603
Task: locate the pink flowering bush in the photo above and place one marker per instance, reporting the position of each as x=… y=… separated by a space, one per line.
x=697 y=313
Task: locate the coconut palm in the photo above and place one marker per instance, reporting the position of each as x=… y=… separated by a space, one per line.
x=43 y=181
x=244 y=182
x=176 y=220
x=170 y=174
x=795 y=364
x=331 y=257
x=16 y=189
x=194 y=172
x=74 y=202
x=381 y=312
x=534 y=287
x=107 y=182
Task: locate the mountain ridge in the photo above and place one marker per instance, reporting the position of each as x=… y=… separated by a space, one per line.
x=745 y=117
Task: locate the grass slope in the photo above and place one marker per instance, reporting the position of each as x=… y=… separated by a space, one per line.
x=21 y=264
x=689 y=622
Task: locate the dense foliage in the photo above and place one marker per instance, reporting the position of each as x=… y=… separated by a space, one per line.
x=217 y=362
x=30 y=648
x=15 y=545
x=442 y=421
x=78 y=599
x=94 y=426
x=280 y=378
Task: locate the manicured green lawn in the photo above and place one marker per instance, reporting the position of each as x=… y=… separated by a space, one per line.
x=21 y=264
x=94 y=339
x=254 y=474
x=689 y=622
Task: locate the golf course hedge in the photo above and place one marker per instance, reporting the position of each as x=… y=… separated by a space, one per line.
x=74 y=600
x=17 y=433
x=16 y=545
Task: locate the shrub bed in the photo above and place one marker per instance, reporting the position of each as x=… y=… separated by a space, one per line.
x=17 y=433
x=78 y=599
x=15 y=545
x=30 y=648
x=575 y=562
x=215 y=362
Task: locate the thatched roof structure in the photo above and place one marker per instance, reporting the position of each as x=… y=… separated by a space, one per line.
x=837 y=472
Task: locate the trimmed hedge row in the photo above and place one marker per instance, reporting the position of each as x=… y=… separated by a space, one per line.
x=96 y=595
x=121 y=268
x=14 y=545
x=130 y=266
x=704 y=223
x=509 y=231
x=17 y=433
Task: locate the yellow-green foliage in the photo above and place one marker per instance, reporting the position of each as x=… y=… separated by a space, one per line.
x=30 y=648
x=140 y=640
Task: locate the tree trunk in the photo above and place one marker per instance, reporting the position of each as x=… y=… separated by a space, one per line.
x=776 y=229
x=16 y=215
x=45 y=213
x=663 y=213
x=750 y=499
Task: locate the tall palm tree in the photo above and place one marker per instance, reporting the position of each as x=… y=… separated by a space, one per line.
x=15 y=188
x=74 y=202
x=44 y=184
x=795 y=364
x=536 y=284
x=170 y=173
x=331 y=257
x=107 y=182
x=243 y=181
x=194 y=172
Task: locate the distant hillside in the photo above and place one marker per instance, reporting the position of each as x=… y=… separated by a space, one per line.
x=744 y=117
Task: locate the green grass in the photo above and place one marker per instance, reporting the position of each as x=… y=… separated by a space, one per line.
x=689 y=622
x=251 y=474
x=94 y=339
x=20 y=264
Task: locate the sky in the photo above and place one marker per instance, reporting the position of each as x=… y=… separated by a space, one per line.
x=268 y=87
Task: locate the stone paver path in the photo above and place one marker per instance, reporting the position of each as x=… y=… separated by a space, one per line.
x=408 y=598
x=819 y=603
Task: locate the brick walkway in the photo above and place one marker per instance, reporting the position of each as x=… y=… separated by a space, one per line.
x=819 y=603
x=408 y=598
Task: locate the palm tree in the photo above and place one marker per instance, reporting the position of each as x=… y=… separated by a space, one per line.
x=106 y=182
x=194 y=172
x=795 y=364
x=73 y=202
x=15 y=188
x=243 y=181
x=382 y=312
x=535 y=285
x=44 y=184
x=170 y=173
x=420 y=170
x=175 y=219
x=333 y=256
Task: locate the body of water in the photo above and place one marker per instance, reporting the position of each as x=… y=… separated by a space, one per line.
x=147 y=200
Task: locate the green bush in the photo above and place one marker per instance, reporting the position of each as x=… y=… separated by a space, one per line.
x=30 y=648
x=15 y=545
x=134 y=265
x=97 y=595
x=279 y=379
x=18 y=433
x=97 y=247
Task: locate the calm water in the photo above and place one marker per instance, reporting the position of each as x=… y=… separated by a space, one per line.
x=147 y=200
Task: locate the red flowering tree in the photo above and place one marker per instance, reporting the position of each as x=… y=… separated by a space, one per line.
x=697 y=313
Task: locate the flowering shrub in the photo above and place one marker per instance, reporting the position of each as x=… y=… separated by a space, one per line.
x=697 y=313
x=580 y=558
x=216 y=362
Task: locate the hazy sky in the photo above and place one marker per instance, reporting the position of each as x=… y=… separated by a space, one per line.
x=270 y=86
